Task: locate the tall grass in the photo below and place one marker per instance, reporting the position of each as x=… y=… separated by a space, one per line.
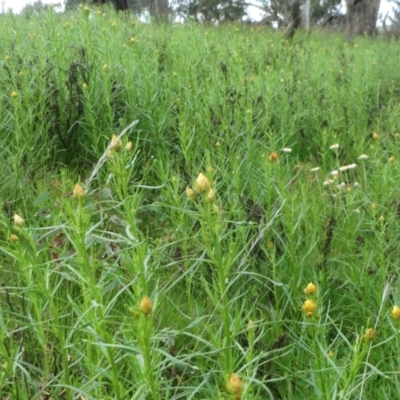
x=142 y=283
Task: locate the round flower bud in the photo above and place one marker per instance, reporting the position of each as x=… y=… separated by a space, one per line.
x=146 y=305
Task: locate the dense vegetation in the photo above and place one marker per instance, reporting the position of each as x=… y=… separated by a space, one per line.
x=275 y=278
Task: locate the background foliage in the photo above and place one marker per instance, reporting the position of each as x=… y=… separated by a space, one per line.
x=226 y=276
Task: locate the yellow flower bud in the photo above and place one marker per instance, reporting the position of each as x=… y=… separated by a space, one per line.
x=396 y=312
x=13 y=238
x=369 y=335
x=128 y=147
x=375 y=136
x=235 y=386
x=211 y=196
x=273 y=156
x=14 y=94
x=309 y=306
x=132 y=40
x=116 y=143
x=105 y=67
x=146 y=305
x=18 y=220
x=310 y=288
x=190 y=194
x=202 y=184
x=78 y=192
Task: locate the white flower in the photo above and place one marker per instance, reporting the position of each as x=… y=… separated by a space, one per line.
x=352 y=166
x=334 y=146
x=287 y=150
x=341 y=186
x=363 y=157
x=356 y=184
x=357 y=211
x=335 y=173
x=344 y=168
x=316 y=169
x=328 y=182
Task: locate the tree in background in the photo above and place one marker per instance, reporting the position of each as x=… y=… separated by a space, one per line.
x=211 y=10
x=361 y=17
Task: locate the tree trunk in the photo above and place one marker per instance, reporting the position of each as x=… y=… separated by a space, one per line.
x=159 y=10
x=361 y=17
x=294 y=18
x=121 y=5
x=306 y=14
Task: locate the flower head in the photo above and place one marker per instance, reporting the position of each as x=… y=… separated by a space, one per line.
x=202 y=184
x=395 y=312
x=116 y=143
x=78 y=192
x=287 y=150
x=146 y=305
x=211 y=196
x=128 y=147
x=273 y=156
x=235 y=386
x=316 y=169
x=310 y=288
x=363 y=157
x=334 y=146
x=18 y=220
x=190 y=193
x=309 y=306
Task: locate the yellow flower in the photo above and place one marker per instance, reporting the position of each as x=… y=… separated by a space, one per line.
x=309 y=306
x=202 y=184
x=116 y=143
x=146 y=305
x=133 y=40
x=396 y=312
x=235 y=386
x=14 y=94
x=78 y=192
x=128 y=147
x=84 y=86
x=375 y=136
x=105 y=67
x=273 y=156
x=211 y=196
x=369 y=335
x=391 y=159
x=18 y=220
x=190 y=194
x=310 y=288
x=13 y=238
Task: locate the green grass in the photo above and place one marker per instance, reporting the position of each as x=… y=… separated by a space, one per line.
x=226 y=277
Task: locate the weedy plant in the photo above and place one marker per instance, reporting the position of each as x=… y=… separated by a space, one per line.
x=196 y=212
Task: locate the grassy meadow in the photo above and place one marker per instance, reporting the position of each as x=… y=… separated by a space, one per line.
x=197 y=212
